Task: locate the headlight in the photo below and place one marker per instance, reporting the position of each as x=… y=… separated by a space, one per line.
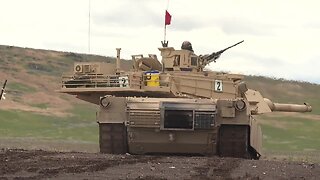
x=104 y=102
x=240 y=105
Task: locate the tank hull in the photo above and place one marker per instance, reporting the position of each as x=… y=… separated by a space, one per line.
x=175 y=126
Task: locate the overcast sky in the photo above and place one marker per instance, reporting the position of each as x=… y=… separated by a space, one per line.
x=282 y=37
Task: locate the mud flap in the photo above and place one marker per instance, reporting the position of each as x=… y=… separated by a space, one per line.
x=113 y=138
x=234 y=141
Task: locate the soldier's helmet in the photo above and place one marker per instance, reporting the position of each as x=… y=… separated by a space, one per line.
x=186 y=45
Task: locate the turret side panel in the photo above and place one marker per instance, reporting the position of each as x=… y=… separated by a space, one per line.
x=202 y=86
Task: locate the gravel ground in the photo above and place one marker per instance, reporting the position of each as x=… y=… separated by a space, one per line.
x=38 y=164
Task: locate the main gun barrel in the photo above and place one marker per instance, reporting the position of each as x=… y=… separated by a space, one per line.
x=288 y=107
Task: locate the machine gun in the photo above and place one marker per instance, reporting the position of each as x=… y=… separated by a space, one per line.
x=208 y=58
x=3 y=90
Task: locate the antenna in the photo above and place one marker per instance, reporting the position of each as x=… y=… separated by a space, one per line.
x=89 y=27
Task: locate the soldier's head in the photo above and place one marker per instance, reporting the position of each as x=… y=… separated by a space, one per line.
x=186 y=45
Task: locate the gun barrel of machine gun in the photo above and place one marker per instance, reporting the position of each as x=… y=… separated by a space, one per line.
x=215 y=55
x=220 y=52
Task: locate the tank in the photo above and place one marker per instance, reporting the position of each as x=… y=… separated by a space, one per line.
x=173 y=106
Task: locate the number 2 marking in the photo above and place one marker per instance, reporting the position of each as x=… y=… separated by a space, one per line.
x=218 y=86
x=123 y=81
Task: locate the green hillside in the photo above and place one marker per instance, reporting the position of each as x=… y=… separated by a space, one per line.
x=33 y=110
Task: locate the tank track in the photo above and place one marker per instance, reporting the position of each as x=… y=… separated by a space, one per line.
x=234 y=141
x=113 y=138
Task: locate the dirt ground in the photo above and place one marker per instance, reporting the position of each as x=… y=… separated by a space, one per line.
x=39 y=164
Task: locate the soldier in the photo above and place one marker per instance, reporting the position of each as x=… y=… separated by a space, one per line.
x=186 y=45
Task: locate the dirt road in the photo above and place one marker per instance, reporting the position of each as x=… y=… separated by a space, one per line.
x=36 y=164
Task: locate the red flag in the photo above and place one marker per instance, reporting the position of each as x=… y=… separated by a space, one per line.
x=167 y=20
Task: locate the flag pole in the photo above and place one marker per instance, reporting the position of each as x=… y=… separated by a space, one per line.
x=165 y=32
x=165 y=42
x=167 y=21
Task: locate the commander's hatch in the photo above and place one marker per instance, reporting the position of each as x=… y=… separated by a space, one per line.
x=179 y=60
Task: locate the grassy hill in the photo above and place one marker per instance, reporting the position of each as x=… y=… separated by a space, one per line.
x=33 y=111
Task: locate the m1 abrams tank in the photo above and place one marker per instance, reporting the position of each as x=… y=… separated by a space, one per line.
x=173 y=106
